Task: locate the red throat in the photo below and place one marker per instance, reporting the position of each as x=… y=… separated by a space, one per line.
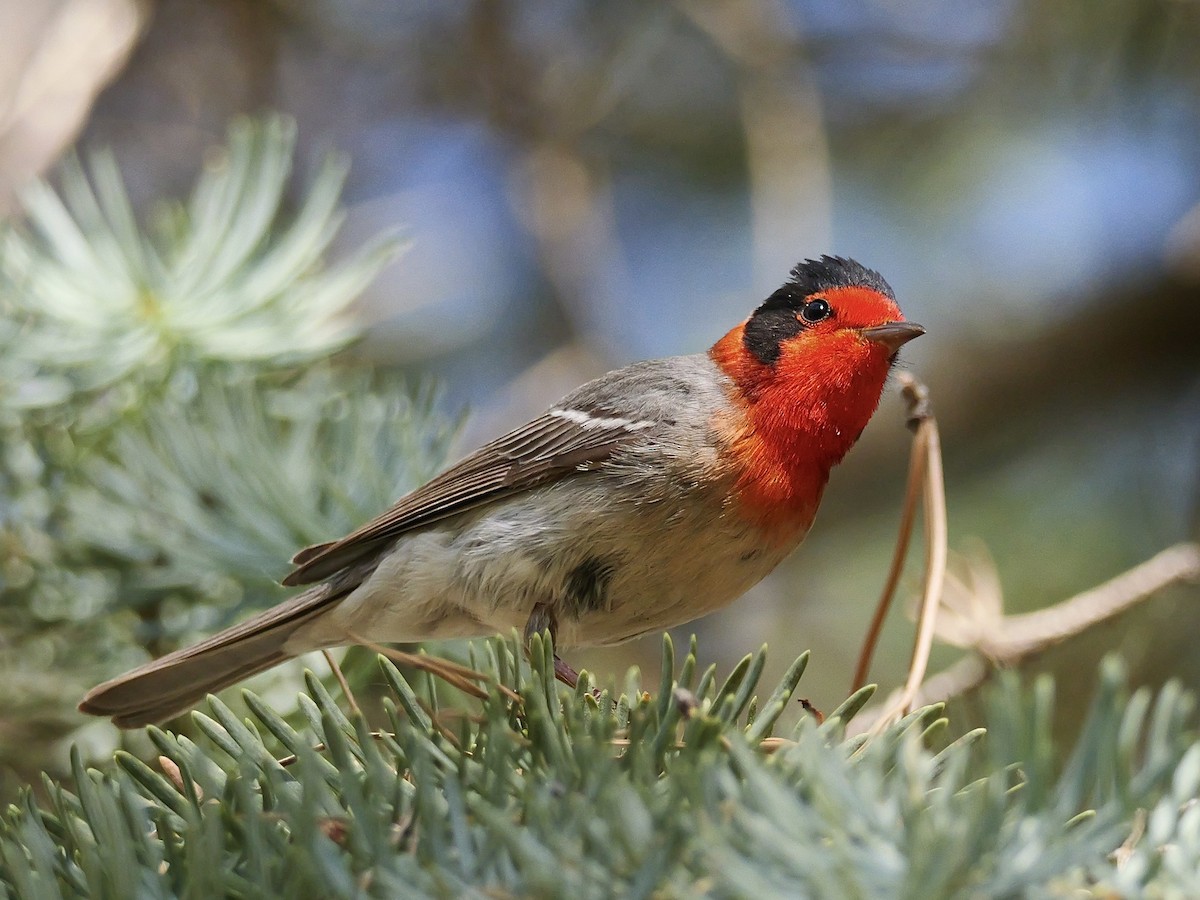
x=795 y=421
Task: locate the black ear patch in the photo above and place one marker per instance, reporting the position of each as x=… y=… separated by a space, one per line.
x=772 y=324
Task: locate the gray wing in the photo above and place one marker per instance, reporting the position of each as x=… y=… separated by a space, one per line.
x=562 y=441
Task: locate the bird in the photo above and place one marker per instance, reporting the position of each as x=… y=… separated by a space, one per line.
x=644 y=499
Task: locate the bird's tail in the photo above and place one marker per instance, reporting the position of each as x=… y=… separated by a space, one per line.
x=175 y=682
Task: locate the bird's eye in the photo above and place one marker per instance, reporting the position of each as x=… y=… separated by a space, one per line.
x=815 y=310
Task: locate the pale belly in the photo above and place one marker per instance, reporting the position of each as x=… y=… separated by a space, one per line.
x=610 y=569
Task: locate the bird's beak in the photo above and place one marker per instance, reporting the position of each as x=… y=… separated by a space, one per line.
x=893 y=335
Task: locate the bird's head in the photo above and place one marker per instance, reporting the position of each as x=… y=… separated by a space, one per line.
x=809 y=365
x=832 y=320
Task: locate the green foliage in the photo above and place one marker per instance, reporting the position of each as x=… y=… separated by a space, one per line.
x=172 y=427
x=220 y=279
x=565 y=794
x=222 y=491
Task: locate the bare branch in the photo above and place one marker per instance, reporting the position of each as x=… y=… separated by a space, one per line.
x=341 y=680
x=916 y=473
x=1007 y=641
x=927 y=449
x=1022 y=635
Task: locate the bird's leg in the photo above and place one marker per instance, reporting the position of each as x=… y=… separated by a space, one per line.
x=542 y=619
x=564 y=673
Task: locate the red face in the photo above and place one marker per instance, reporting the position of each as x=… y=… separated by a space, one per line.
x=843 y=328
x=847 y=308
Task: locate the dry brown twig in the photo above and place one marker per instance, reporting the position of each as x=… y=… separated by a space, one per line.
x=171 y=769
x=964 y=607
x=916 y=475
x=925 y=481
x=1006 y=639
x=464 y=678
x=1000 y=641
x=341 y=680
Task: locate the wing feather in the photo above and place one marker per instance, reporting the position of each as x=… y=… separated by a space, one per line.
x=551 y=446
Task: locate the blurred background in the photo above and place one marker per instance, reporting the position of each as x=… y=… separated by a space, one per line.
x=586 y=184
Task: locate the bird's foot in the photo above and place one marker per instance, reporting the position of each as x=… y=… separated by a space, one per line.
x=542 y=619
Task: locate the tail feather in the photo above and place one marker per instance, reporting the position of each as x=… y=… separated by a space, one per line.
x=173 y=683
